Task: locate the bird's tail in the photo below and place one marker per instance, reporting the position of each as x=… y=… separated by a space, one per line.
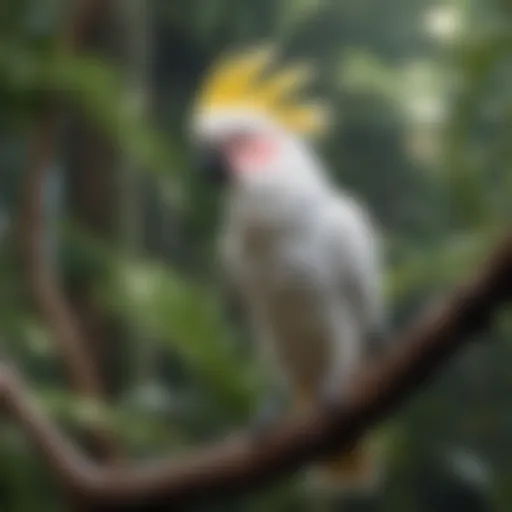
x=355 y=469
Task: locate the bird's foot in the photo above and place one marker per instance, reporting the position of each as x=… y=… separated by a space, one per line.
x=333 y=392
x=329 y=394
x=267 y=417
x=378 y=340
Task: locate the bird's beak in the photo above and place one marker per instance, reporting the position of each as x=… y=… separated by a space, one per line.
x=212 y=165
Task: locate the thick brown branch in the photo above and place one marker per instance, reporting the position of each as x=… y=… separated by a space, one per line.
x=239 y=463
x=42 y=281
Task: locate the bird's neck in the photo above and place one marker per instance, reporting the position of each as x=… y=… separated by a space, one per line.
x=279 y=202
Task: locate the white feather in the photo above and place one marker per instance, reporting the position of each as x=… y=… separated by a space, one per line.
x=305 y=258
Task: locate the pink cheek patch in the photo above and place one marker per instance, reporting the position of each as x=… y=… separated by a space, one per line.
x=251 y=154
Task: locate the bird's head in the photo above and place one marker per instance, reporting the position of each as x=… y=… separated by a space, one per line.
x=247 y=113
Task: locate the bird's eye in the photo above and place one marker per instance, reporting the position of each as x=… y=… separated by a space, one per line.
x=241 y=137
x=238 y=140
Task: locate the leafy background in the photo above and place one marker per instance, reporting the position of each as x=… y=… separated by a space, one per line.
x=422 y=97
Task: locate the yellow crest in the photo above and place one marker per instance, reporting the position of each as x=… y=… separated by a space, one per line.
x=238 y=82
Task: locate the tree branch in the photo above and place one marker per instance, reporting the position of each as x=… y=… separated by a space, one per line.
x=42 y=281
x=239 y=463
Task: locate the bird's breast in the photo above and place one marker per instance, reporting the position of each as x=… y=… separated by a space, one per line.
x=290 y=282
x=286 y=275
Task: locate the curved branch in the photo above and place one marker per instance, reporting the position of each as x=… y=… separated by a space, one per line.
x=43 y=283
x=239 y=463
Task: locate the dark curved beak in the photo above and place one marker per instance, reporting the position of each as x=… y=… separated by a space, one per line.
x=212 y=165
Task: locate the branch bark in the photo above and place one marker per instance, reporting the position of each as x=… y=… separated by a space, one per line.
x=42 y=281
x=240 y=463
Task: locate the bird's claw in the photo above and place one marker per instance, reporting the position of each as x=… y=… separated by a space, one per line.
x=266 y=418
x=378 y=340
x=329 y=394
x=334 y=391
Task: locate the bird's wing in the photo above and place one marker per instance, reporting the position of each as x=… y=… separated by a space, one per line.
x=357 y=253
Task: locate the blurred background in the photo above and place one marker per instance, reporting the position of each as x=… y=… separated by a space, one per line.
x=422 y=97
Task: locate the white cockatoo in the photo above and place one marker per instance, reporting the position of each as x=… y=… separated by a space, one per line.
x=301 y=254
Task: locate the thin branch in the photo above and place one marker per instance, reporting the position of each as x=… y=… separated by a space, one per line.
x=240 y=463
x=43 y=283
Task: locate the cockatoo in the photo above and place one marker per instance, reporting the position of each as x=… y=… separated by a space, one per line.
x=302 y=255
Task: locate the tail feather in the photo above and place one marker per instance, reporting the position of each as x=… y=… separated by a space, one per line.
x=353 y=469
x=356 y=469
